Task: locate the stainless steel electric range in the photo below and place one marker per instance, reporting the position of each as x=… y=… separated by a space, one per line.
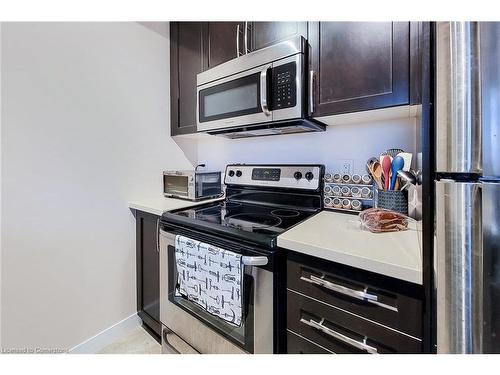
x=262 y=201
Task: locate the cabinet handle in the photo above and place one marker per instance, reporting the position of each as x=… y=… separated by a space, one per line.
x=311 y=92
x=358 y=294
x=263 y=91
x=339 y=336
x=158 y=235
x=246 y=37
x=238 y=53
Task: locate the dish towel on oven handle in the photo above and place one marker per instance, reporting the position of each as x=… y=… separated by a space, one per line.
x=210 y=277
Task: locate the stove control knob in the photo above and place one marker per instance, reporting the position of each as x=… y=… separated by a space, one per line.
x=309 y=176
x=297 y=175
x=238 y=173
x=231 y=173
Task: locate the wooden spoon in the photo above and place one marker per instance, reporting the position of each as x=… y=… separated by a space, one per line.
x=386 y=168
x=376 y=172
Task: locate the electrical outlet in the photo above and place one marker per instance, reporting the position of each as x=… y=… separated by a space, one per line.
x=346 y=166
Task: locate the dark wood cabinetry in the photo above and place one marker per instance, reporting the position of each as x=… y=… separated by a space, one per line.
x=356 y=66
x=225 y=41
x=148 y=272
x=339 y=309
x=187 y=59
x=265 y=34
x=359 y=65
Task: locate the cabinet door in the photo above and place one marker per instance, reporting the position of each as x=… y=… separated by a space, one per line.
x=225 y=41
x=187 y=59
x=265 y=34
x=359 y=65
x=148 y=271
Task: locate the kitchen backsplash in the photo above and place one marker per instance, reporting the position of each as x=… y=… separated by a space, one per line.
x=354 y=142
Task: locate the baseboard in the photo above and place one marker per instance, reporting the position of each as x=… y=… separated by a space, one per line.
x=107 y=336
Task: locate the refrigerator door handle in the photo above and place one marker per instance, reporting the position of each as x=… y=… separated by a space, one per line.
x=459 y=252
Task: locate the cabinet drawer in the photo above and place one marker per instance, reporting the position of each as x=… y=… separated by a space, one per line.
x=364 y=294
x=342 y=332
x=297 y=344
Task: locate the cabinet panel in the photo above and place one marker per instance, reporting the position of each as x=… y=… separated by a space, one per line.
x=223 y=41
x=359 y=65
x=148 y=271
x=396 y=307
x=187 y=59
x=341 y=332
x=297 y=344
x=265 y=34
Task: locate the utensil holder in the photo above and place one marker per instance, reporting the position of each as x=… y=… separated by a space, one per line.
x=395 y=200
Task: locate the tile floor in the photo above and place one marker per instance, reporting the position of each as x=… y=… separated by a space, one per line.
x=137 y=341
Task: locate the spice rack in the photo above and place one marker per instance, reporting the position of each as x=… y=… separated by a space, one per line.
x=343 y=194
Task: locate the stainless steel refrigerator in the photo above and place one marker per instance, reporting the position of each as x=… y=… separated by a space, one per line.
x=467 y=221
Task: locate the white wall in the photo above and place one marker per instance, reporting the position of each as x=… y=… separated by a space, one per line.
x=85 y=129
x=356 y=138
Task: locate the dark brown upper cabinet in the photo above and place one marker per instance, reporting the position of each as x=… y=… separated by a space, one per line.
x=265 y=34
x=359 y=66
x=187 y=59
x=226 y=41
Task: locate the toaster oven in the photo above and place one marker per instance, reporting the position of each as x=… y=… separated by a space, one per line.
x=192 y=185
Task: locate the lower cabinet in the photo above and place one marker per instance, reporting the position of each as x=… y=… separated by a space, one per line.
x=332 y=308
x=148 y=272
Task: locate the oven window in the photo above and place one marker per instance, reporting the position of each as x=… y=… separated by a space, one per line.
x=231 y=99
x=208 y=184
x=175 y=185
x=242 y=335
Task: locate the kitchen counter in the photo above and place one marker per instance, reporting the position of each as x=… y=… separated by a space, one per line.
x=338 y=237
x=158 y=205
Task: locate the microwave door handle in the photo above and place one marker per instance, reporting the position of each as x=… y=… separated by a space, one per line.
x=263 y=91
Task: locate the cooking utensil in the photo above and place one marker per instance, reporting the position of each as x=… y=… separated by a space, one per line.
x=408 y=178
x=407 y=156
x=397 y=165
x=393 y=152
x=386 y=169
x=376 y=173
x=370 y=162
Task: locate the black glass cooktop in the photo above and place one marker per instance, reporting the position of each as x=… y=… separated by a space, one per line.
x=252 y=222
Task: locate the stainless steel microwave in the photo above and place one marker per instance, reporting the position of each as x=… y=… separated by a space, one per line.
x=261 y=93
x=192 y=185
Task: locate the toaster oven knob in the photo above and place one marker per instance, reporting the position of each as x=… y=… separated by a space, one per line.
x=238 y=173
x=297 y=175
x=309 y=176
x=231 y=173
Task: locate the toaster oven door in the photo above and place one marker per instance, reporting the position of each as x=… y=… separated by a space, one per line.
x=178 y=185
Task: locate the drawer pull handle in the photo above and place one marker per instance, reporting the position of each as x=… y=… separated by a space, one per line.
x=339 y=336
x=358 y=294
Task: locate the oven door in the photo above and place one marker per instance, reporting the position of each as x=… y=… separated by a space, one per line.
x=240 y=99
x=178 y=185
x=204 y=332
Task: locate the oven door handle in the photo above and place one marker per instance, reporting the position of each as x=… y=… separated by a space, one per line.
x=254 y=261
x=263 y=91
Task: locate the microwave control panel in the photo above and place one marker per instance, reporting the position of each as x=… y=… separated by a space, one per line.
x=284 y=86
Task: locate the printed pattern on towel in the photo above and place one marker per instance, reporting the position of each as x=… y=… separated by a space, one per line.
x=211 y=277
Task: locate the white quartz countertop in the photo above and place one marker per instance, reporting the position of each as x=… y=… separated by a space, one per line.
x=159 y=204
x=338 y=237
